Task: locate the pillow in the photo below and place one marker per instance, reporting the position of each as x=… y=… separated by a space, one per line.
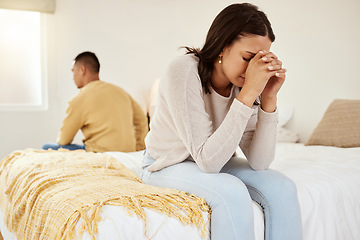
x=340 y=125
x=283 y=134
x=131 y=160
x=285 y=114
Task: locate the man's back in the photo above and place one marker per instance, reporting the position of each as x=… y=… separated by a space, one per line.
x=109 y=118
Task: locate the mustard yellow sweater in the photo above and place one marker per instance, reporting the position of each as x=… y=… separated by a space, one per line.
x=110 y=119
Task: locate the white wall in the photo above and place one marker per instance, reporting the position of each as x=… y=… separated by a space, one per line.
x=318 y=42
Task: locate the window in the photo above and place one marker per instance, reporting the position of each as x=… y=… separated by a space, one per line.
x=22 y=69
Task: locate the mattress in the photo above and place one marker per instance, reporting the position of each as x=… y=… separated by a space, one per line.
x=328 y=185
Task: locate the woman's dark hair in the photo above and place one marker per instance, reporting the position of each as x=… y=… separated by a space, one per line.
x=232 y=23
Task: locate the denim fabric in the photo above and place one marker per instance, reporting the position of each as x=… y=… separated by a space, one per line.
x=230 y=193
x=56 y=146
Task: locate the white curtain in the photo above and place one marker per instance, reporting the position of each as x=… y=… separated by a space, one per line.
x=47 y=6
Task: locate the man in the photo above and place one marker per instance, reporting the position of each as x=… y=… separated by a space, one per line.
x=110 y=119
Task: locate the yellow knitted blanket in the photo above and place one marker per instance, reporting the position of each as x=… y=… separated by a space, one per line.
x=43 y=194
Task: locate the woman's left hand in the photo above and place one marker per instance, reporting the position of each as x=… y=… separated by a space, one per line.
x=274 y=84
x=276 y=81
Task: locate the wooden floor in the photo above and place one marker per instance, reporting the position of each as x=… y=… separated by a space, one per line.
x=1 y=238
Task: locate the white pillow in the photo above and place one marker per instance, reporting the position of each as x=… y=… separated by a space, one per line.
x=285 y=114
x=283 y=134
x=131 y=160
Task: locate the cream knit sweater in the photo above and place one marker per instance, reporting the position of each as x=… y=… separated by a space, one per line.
x=206 y=128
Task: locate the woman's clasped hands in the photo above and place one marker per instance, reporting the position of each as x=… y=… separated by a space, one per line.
x=264 y=77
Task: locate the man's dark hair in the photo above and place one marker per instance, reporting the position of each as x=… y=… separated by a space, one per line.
x=90 y=61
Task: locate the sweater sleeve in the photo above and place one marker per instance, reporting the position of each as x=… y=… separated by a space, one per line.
x=209 y=149
x=259 y=139
x=71 y=124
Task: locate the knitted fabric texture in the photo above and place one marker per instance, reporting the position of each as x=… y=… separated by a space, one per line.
x=45 y=193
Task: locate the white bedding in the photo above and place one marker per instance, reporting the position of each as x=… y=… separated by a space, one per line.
x=328 y=184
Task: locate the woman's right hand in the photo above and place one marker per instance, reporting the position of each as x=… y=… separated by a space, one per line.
x=261 y=68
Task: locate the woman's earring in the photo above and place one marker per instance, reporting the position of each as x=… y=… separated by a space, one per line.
x=220 y=59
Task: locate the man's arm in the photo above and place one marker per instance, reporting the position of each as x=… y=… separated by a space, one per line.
x=71 y=125
x=141 y=126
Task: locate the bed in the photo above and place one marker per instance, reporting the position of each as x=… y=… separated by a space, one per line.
x=327 y=180
x=327 y=176
x=328 y=184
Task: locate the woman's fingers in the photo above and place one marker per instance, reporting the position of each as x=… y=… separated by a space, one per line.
x=280 y=75
x=262 y=67
x=275 y=65
x=282 y=70
x=258 y=56
x=268 y=56
x=271 y=61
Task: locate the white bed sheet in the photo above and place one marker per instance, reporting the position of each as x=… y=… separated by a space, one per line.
x=328 y=185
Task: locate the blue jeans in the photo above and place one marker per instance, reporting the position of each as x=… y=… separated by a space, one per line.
x=56 y=146
x=230 y=194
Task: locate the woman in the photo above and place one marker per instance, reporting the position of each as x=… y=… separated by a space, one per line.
x=210 y=102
